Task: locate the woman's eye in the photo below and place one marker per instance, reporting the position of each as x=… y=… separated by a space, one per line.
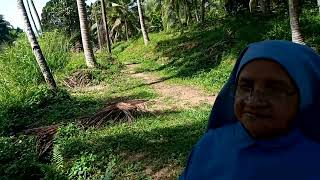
x=276 y=89
x=245 y=87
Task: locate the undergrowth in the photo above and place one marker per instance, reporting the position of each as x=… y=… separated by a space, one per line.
x=204 y=55
x=154 y=145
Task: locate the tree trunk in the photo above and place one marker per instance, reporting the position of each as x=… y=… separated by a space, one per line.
x=252 y=5
x=203 y=10
x=187 y=12
x=126 y=27
x=196 y=10
x=90 y=60
x=265 y=6
x=185 y=9
x=31 y=17
x=294 y=22
x=115 y=37
x=37 y=15
x=105 y=23
x=318 y=3
x=36 y=49
x=98 y=30
x=142 y=24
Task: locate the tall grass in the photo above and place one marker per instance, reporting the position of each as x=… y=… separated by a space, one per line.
x=21 y=82
x=20 y=76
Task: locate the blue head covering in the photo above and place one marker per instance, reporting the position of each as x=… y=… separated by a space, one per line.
x=227 y=151
x=302 y=64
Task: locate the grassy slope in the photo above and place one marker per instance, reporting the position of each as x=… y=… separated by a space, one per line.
x=154 y=144
x=204 y=56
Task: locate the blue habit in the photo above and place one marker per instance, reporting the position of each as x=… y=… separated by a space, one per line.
x=227 y=151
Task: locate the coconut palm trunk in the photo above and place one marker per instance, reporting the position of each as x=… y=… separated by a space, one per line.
x=90 y=59
x=294 y=22
x=203 y=10
x=126 y=28
x=37 y=15
x=265 y=6
x=318 y=3
x=98 y=29
x=44 y=68
x=195 y=2
x=142 y=24
x=105 y=23
x=32 y=19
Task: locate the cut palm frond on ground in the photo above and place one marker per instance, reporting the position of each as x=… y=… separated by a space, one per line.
x=122 y=111
x=79 y=78
x=44 y=136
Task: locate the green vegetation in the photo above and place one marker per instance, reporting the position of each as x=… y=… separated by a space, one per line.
x=204 y=56
x=155 y=144
x=124 y=151
x=79 y=153
x=7 y=33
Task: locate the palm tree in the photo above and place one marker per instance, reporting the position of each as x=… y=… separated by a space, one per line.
x=105 y=22
x=37 y=15
x=5 y=28
x=142 y=24
x=126 y=29
x=318 y=3
x=203 y=10
x=90 y=59
x=294 y=22
x=265 y=6
x=195 y=3
x=98 y=28
x=36 y=48
x=31 y=16
x=123 y=19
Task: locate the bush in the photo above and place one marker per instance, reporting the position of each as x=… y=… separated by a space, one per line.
x=18 y=158
x=16 y=118
x=20 y=76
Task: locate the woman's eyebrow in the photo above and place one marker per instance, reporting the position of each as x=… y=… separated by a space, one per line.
x=245 y=79
x=278 y=82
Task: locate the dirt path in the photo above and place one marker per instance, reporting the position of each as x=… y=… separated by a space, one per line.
x=176 y=96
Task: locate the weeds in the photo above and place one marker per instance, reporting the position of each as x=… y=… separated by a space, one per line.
x=155 y=144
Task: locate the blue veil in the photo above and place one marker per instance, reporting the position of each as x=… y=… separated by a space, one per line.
x=301 y=63
x=230 y=153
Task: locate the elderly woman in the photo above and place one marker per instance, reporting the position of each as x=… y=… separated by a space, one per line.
x=263 y=125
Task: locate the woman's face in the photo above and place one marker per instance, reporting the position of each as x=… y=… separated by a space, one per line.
x=266 y=100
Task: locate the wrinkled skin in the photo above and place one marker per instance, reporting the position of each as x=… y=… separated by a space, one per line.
x=269 y=109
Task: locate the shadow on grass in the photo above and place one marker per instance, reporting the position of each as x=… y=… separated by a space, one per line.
x=202 y=49
x=150 y=149
x=144 y=84
x=59 y=110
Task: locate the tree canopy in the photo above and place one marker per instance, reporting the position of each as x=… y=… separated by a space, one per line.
x=7 y=32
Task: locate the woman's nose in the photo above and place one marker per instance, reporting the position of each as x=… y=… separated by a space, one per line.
x=256 y=98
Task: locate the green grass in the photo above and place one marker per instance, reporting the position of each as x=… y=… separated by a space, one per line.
x=20 y=77
x=153 y=141
x=154 y=144
x=204 y=56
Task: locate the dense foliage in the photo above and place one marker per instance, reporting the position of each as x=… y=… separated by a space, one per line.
x=7 y=32
x=62 y=15
x=184 y=50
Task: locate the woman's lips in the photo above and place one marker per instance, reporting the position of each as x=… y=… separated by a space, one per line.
x=254 y=115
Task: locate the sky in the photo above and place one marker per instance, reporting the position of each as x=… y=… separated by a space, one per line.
x=8 y=8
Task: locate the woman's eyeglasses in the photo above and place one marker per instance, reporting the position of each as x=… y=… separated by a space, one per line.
x=269 y=93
